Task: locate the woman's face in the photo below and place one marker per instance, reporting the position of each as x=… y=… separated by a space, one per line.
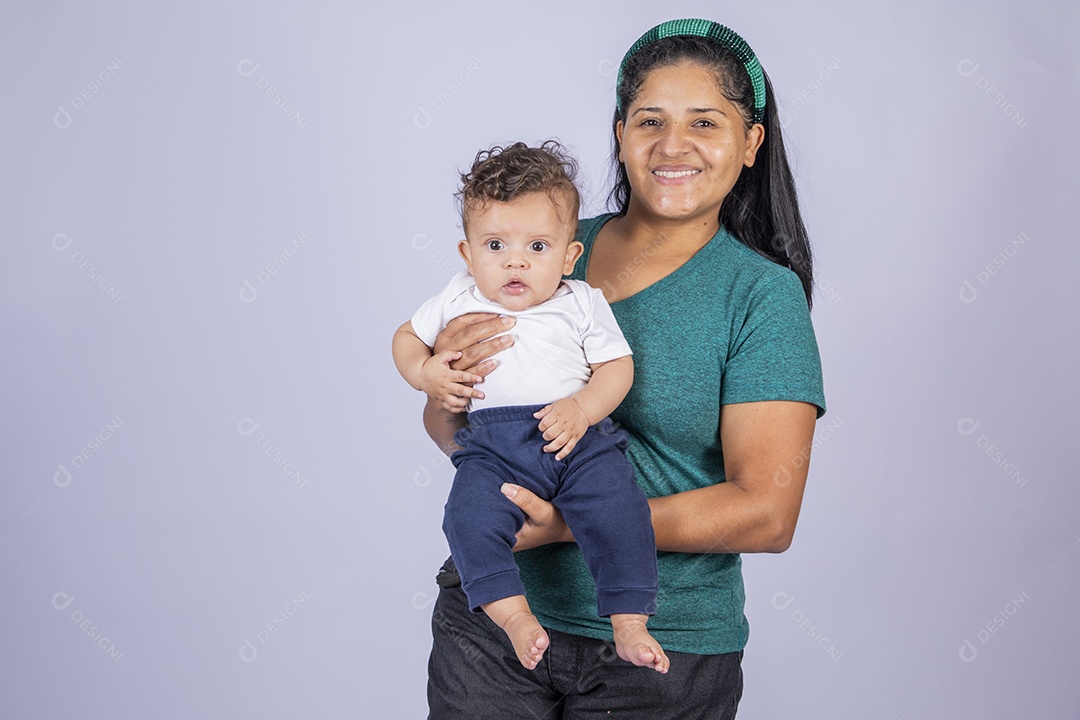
x=683 y=144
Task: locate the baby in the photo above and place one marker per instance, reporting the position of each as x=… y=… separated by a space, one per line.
x=538 y=422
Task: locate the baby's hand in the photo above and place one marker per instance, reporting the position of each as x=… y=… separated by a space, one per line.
x=563 y=422
x=447 y=386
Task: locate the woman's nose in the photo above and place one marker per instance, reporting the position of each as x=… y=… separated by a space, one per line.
x=674 y=140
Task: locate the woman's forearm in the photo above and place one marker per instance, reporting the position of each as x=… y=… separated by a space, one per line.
x=722 y=518
x=716 y=519
x=441 y=425
x=766 y=459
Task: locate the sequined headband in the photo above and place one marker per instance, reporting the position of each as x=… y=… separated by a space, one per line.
x=724 y=36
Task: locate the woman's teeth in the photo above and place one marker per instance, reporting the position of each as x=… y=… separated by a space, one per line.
x=671 y=174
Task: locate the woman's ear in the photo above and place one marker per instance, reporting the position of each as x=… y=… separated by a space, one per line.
x=618 y=136
x=754 y=137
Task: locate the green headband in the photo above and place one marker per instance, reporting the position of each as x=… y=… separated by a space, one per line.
x=724 y=36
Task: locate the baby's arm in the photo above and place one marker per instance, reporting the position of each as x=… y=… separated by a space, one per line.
x=563 y=422
x=431 y=373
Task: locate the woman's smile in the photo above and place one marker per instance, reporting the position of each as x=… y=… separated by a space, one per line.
x=674 y=175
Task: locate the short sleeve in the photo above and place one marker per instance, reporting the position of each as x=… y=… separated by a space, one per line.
x=601 y=337
x=773 y=355
x=431 y=318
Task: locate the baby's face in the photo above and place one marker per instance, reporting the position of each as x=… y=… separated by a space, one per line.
x=518 y=251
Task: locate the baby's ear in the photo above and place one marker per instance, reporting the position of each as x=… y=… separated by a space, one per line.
x=464 y=251
x=573 y=252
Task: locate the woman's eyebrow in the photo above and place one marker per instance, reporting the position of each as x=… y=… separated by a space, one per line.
x=694 y=111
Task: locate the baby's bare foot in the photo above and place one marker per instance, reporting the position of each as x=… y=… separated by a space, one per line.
x=513 y=615
x=634 y=644
x=528 y=638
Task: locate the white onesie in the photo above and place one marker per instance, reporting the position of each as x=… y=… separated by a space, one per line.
x=554 y=342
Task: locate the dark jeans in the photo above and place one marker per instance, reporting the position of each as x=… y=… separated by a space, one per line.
x=473 y=674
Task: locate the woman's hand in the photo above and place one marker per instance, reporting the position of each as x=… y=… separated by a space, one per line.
x=544 y=523
x=472 y=335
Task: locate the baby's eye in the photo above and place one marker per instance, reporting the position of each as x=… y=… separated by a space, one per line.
x=494 y=245
x=538 y=246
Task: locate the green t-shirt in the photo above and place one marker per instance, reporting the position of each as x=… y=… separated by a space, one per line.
x=729 y=326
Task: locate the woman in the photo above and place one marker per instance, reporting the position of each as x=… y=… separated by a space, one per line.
x=707 y=268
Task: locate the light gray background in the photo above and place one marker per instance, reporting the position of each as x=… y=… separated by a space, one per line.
x=198 y=270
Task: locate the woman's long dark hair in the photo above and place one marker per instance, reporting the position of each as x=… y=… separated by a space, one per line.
x=762 y=209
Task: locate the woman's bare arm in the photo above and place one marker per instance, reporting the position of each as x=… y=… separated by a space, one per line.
x=440 y=425
x=766 y=458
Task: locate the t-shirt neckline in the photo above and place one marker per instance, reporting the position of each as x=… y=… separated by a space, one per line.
x=698 y=257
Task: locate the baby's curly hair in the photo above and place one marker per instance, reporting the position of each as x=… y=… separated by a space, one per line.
x=504 y=173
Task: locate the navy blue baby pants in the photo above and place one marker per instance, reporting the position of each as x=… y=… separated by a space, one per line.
x=593 y=487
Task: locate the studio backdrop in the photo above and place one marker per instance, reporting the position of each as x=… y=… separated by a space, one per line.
x=217 y=497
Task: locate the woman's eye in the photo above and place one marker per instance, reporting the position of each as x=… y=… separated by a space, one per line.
x=650 y=122
x=538 y=246
x=706 y=123
x=494 y=245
